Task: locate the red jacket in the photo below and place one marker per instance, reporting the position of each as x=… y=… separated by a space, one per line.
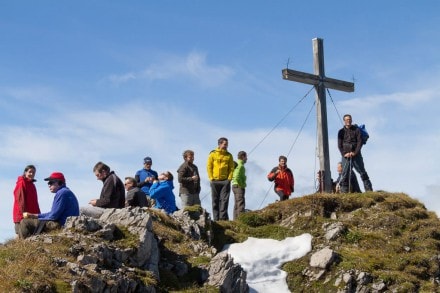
x=283 y=180
x=25 y=199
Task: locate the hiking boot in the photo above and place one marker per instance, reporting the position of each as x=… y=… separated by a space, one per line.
x=367 y=185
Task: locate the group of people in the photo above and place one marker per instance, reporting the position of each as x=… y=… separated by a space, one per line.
x=147 y=188
x=150 y=189
x=28 y=219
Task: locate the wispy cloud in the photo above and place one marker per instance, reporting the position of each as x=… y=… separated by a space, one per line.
x=193 y=67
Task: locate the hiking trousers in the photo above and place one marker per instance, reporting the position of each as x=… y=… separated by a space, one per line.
x=220 y=192
x=356 y=162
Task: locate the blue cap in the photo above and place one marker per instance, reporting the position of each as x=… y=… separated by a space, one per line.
x=148 y=160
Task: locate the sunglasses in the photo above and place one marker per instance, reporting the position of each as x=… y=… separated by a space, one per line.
x=50 y=183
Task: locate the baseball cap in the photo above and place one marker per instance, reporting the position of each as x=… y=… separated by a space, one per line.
x=56 y=176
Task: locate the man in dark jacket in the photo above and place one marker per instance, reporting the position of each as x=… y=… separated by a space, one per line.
x=135 y=197
x=350 y=144
x=112 y=192
x=188 y=177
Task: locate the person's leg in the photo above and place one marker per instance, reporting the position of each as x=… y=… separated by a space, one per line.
x=358 y=164
x=27 y=227
x=51 y=226
x=224 y=199
x=281 y=195
x=239 y=203
x=91 y=211
x=345 y=175
x=196 y=199
x=215 y=198
x=185 y=200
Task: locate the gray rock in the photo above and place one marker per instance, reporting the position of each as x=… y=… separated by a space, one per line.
x=323 y=258
x=226 y=275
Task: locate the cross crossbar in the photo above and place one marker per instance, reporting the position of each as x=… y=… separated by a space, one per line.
x=307 y=78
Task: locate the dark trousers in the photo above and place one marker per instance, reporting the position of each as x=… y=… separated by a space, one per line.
x=239 y=204
x=357 y=162
x=282 y=195
x=220 y=191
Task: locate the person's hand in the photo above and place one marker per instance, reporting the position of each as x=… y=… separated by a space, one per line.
x=92 y=202
x=195 y=177
x=27 y=215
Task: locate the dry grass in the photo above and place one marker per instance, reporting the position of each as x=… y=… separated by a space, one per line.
x=391 y=236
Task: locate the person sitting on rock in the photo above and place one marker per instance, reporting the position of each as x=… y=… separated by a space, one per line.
x=162 y=192
x=65 y=204
x=134 y=197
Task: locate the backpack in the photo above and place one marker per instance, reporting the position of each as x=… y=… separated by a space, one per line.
x=364 y=133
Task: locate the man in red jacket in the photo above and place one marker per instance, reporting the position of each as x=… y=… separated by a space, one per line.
x=283 y=177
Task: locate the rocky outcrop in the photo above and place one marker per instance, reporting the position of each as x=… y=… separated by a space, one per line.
x=119 y=252
x=104 y=267
x=227 y=275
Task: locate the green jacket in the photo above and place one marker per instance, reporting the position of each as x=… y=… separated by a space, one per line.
x=239 y=175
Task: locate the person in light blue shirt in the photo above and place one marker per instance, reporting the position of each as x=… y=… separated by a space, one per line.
x=65 y=204
x=162 y=192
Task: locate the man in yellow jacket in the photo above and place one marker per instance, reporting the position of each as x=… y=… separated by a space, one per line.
x=220 y=167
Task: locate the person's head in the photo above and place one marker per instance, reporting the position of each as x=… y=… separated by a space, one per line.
x=55 y=181
x=242 y=156
x=147 y=163
x=166 y=176
x=130 y=183
x=339 y=167
x=101 y=171
x=29 y=172
x=222 y=143
x=347 y=120
x=188 y=156
x=282 y=160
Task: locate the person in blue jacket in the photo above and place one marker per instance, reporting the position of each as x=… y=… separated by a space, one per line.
x=146 y=176
x=162 y=192
x=65 y=204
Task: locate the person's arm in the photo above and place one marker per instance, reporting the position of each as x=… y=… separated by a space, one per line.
x=272 y=174
x=182 y=174
x=58 y=206
x=155 y=189
x=231 y=167
x=359 y=141
x=341 y=141
x=108 y=189
x=209 y=166
x=20 y=197
x=241 y=176
x=292 y=181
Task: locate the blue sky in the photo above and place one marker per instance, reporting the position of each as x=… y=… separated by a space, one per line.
x=114 y=81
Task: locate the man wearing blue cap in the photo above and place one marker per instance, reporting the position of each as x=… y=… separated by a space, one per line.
x=146 y=176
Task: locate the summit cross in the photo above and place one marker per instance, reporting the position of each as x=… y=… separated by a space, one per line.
x=320 y=82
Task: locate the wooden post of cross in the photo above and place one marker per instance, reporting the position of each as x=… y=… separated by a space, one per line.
x=321 y=82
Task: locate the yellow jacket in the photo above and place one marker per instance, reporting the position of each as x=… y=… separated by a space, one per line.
x=220 y=165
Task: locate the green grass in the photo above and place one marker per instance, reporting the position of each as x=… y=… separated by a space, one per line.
x=388 y=235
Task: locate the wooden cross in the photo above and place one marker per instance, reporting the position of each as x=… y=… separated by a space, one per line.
x=321 y=82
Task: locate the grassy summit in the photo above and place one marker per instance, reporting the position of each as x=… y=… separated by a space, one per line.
x=390 y=236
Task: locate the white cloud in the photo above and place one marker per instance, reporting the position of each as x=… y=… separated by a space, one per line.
x=193 y=67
